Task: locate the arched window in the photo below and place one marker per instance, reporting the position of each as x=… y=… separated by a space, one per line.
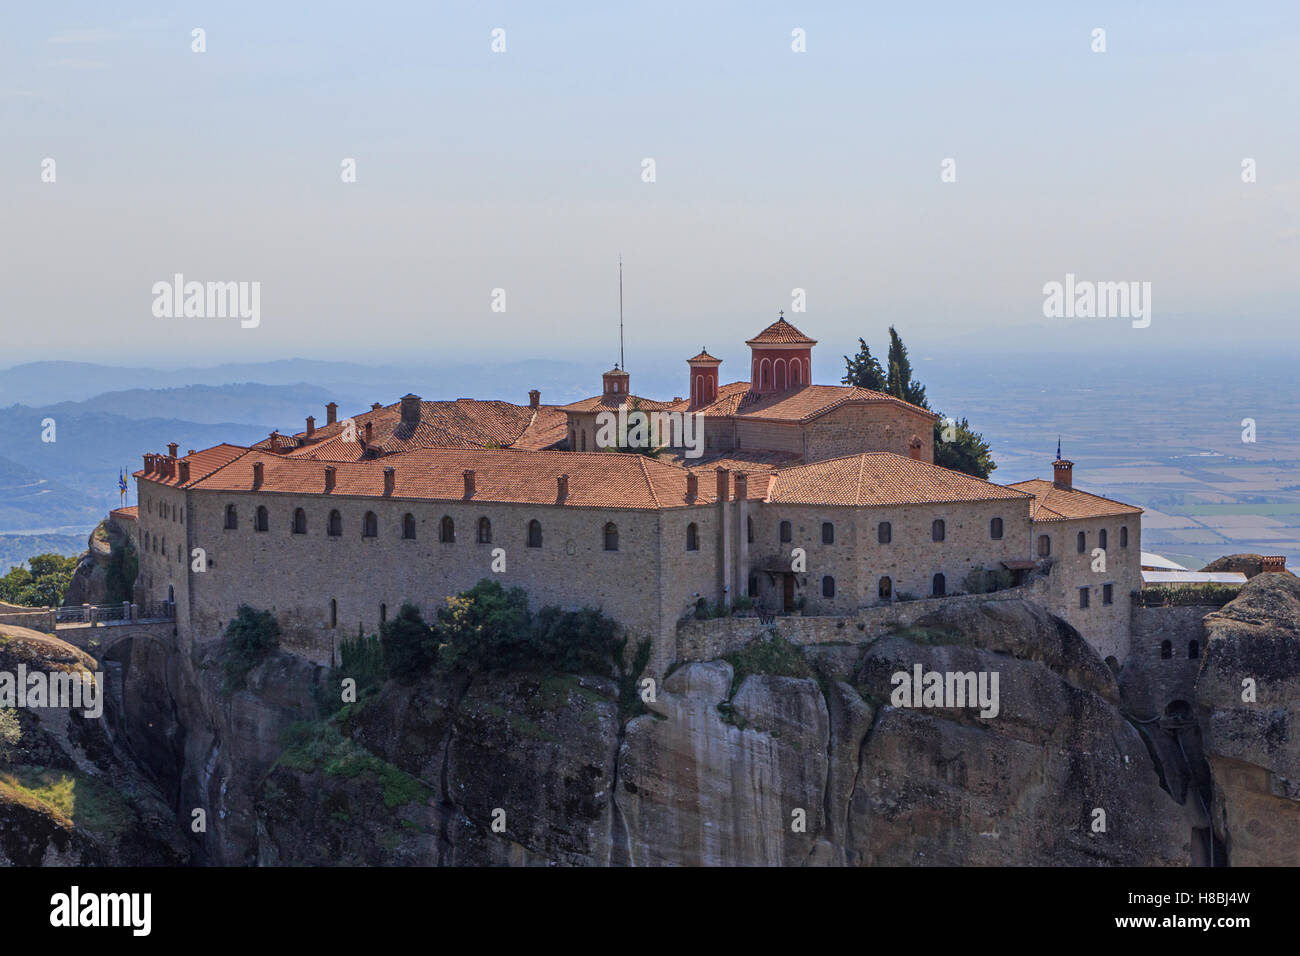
x=232 y=518
x=383 y=614
x=1166 y=650
x=534 y=534
x=1101 y=539
x=828 y=533
x=753 y=586
x=692 y=537
x=1123 y=536
x=1082 y=542
x=778 y=373
x=336 y=525
x=885 y=590
x=937 y=529
x=584 y=441
x=995 y=529
x=447 y=530
x=611 y=536
x=299 y=521
x=408 y=526
x=180 y=553
x=484 y=530
x=334 y=613
x=786 y=534
x=262 y=521
x=884 y=532
x=939 y=585
x=1193 y=650
x=764 y=366
x=828 y=587
x=1044 y=545
x=171 y=594
x=370 y=526
x=794 y=372
x=749 y=529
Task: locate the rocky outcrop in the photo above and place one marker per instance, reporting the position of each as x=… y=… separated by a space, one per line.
x=90 y=580
x=1248 y=704
x=69 y=793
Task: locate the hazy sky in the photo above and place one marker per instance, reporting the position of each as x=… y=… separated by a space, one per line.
x=522 y=170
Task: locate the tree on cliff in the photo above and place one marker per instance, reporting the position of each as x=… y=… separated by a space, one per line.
x=43 y=586
x=248 y=640
x=410 y=647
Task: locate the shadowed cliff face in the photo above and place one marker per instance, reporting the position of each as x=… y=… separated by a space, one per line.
x=1253 y=746
x=70 y=794
x=777 y=771
x=760 y=769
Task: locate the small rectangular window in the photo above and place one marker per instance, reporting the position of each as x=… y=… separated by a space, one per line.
x=1108 y=594
x=1083 y=598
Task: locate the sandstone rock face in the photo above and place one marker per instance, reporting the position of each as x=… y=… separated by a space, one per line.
x=1253 y=746
x=528 y=769
x=89 y=583
x=699 y=788
x=69 y=796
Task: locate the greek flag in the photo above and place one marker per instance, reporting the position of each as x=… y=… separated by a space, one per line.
x=121 y=481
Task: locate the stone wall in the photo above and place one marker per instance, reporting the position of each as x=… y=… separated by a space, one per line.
x=1106 y=626
x=38 y=619
x=712 y=638
x=1147 y=682
x=878 y=426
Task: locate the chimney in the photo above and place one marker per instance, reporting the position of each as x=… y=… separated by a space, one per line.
x=376 y=406
x=331 y=413
x=534 y=398
x=692 y=486
x=148 y=464
x=185 y=471
x=468 y=474
x=390 y=479
x=370 y=431
x=410 y=409
x=190 y=452
x=311 y=425
x=724 y=479
x=258 y=473
x=742 y=486
x=172 y=448
x=561 y=488
x=330 y=474
x=1063 y=474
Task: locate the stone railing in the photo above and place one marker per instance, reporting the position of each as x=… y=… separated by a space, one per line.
x=712 y=637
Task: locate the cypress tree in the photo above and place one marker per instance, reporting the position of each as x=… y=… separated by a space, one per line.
x=863 y=370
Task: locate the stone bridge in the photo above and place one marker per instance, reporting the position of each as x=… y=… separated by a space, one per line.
x=98 y=639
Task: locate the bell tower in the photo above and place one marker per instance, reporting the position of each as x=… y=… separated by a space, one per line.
x=704 y=379
x=780 y=358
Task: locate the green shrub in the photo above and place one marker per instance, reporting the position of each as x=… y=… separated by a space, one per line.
x=362 y=659
x=772 y=655
x=119 y=581
x=408 y=647
x=248 y=639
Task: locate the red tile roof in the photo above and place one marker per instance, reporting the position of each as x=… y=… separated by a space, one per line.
x=201 y=463
x=805 y=402
x=129 y=513
x=704 y=356
x=1052 y=503
x=596 y=479
x=880 y=478
x=463 y=423
x=780 y=332
x=610 y=403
